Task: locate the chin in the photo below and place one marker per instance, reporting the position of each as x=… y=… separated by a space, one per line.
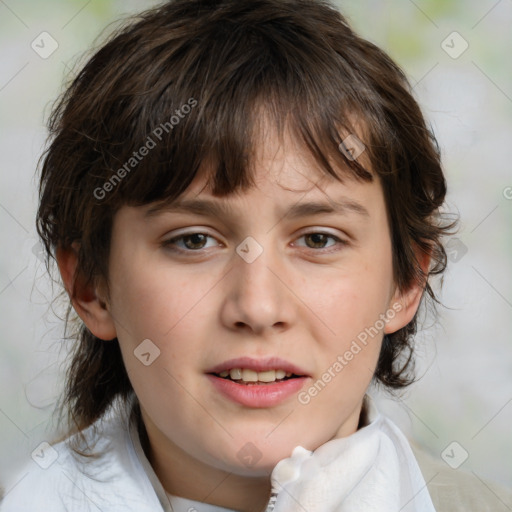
x=251 y=460
x=261 y=468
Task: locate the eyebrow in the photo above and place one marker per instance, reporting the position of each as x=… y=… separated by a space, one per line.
x=220 y=209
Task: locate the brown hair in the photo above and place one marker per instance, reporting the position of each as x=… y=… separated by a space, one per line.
x=213 y=64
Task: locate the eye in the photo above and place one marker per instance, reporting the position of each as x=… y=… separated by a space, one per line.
x=188 y=242
x=317 y=240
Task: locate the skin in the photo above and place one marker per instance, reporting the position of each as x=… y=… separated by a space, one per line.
x=303 y=299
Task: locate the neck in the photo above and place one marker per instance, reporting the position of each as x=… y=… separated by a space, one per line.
x=182 y=475
x=208 y=484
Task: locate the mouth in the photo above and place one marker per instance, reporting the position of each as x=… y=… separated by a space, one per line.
x=250 y=377
x=251 y=371
x=257 y=383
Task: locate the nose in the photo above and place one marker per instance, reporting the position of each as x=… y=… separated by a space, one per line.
x=259 y=294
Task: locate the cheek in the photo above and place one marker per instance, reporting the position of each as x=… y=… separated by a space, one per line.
x=166 y=307
x=349 y=338
x=353 y=301
x=156 y=314
x=149 y=300
x=349 y=324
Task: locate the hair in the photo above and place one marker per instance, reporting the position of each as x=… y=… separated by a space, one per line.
x=186 y=80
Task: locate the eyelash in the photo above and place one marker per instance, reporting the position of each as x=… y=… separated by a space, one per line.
x=171 y=243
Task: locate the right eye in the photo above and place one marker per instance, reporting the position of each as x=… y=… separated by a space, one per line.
x=187 y=242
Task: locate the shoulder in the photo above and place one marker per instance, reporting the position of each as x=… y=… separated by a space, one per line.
x=454 y=490
x=59 y=479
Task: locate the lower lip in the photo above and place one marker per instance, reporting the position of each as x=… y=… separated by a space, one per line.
x=258 y=395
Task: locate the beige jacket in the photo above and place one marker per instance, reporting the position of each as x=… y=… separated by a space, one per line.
x=454 y=490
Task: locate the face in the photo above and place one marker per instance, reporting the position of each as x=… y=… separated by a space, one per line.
x=267 y=279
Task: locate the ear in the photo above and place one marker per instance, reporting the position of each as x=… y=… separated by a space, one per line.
x=86 y=299
x=406 y=303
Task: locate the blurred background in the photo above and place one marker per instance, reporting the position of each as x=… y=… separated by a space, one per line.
x=457 y=56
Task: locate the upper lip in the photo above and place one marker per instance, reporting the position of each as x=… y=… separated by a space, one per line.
x=258 y=365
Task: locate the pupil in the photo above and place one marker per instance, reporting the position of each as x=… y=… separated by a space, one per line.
x=193 y=237
x=316 y=236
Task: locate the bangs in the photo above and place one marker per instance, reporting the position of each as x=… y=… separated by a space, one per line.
x=202 y=102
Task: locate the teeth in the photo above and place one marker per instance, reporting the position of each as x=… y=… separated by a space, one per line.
x=268 y=376
x=246 y=375
x=249 y=375
x=235 y=374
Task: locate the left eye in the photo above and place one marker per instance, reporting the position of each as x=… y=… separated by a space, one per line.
x=319 y=239
x=192 y=242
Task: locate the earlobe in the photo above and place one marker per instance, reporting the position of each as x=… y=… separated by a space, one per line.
x=85 y=297
x=405 y=304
